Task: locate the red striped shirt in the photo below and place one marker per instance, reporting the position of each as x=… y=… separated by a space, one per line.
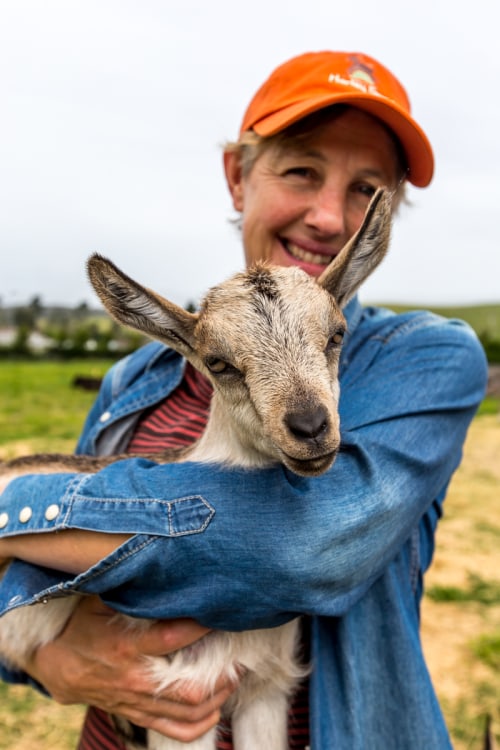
x=179 y=420
x=176 y=422
x=98 y=732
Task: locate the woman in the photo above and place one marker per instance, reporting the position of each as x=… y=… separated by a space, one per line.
x=319 y=137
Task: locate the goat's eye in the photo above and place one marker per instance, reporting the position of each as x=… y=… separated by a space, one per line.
x=216 y=365
x=335 y=340
x=221 y=367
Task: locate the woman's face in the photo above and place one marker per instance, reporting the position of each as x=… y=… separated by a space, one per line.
x=300 y=205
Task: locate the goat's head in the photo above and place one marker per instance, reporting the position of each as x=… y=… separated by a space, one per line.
x=269 y=340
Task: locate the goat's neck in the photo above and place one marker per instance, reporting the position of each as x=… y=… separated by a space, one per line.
x=225 y=442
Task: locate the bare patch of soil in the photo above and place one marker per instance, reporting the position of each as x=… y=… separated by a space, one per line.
x=468 y=543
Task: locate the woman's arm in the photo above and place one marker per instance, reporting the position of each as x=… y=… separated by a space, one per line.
x=71 y=550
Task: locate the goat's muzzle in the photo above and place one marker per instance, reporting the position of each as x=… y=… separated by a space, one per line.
x=310 y=467
x=310 y=441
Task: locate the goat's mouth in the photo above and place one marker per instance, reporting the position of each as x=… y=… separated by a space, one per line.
x=310 y=467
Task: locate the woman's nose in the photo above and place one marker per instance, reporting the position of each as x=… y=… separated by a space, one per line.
x=326 y=213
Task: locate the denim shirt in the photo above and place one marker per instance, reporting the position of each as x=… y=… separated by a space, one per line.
x=240 y=548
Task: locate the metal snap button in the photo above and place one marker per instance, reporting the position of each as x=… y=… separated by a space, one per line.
x=25 y=514
x=52 y=512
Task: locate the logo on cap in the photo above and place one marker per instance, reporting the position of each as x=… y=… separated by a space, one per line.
x=360 y=77
x=361 y=70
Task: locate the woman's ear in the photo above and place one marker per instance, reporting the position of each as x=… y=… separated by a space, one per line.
x=234 y=178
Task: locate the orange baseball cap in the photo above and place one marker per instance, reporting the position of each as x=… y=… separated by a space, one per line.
x=315 y=80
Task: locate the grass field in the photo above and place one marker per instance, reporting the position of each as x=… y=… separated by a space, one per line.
x=39 y=408
x=461 y=610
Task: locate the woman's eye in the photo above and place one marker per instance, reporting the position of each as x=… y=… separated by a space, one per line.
x=366 y=189
x=298 y=172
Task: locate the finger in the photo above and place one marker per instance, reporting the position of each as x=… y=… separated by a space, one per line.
x=183 y=731
x=144 y=712
x=166 y=636
x=192 y=695
x=129 y=643
x=158 y=639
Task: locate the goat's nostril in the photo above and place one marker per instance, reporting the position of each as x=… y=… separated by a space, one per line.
x=307 y=424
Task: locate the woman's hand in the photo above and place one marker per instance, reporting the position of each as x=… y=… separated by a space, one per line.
x=101 y=664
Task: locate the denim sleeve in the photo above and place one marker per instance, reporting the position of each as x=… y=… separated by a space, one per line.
x=251 y=548
x=111 y=386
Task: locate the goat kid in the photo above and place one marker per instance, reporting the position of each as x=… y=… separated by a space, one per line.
x=269 y=341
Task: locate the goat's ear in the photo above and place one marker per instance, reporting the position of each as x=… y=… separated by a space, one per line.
x=362 y=254
x=135 y=306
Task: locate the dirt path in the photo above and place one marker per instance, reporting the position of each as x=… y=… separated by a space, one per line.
x=468 y=558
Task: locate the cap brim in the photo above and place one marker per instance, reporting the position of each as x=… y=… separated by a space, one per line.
x=415 y=143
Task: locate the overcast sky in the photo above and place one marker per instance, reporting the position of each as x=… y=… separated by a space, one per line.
x=113 y=112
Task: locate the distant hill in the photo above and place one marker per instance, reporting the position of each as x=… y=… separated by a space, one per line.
x=484 y=319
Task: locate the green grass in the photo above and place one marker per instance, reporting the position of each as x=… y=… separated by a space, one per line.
x=24 y=724
x=487 y=648
x=489 y=405
x=40 y=410
x=468 y=724
x=38 y=401
x=478 y=590
x=488 y=529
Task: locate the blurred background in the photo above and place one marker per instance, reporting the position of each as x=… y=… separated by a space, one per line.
x=113 y=114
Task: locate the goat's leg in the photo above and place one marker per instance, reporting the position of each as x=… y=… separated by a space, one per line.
x=24 y=629
x=262 y=724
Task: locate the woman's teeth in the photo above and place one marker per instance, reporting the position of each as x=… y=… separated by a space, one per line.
x=305 y=256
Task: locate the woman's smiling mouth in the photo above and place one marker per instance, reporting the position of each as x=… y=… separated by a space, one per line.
x=306 y=256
